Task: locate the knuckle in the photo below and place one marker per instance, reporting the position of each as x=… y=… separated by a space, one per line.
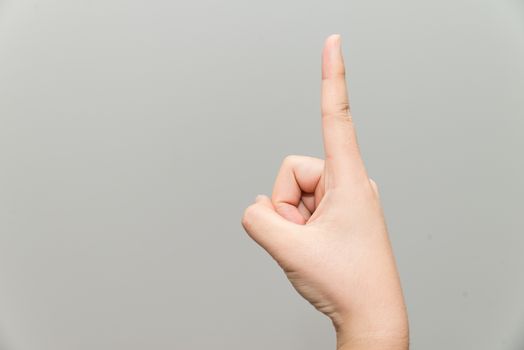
x=340 y=73
x=343 y=108
x=340 y=113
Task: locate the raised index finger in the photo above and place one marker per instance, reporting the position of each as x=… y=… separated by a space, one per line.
x=343 y=161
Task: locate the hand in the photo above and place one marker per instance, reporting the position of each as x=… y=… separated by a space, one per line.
x=324 y=226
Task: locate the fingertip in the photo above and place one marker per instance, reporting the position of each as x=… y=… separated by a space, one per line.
x=263 y=199
x=251 y=211
x=264 y=225
x=332 y=62
x=333 y=40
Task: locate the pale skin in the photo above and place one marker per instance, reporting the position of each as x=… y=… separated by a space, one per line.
x=324 y=225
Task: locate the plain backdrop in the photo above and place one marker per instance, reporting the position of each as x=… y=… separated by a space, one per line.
x=134 y=133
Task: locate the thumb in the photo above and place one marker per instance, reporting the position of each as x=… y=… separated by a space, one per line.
x=264 y=225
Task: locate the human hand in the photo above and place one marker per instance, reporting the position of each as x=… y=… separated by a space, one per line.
x=324 y=226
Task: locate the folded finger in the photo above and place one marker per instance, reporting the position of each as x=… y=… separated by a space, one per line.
x=298 y=177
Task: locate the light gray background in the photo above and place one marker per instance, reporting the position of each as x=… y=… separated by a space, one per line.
x=133 y=134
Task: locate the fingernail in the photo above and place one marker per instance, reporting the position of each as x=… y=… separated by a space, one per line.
x=259 y=197
x=337 y=46
x=337 y=40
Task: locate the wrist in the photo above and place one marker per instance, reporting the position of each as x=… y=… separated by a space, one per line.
x=375 y=344
x=398 y=341
x=384 y=333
